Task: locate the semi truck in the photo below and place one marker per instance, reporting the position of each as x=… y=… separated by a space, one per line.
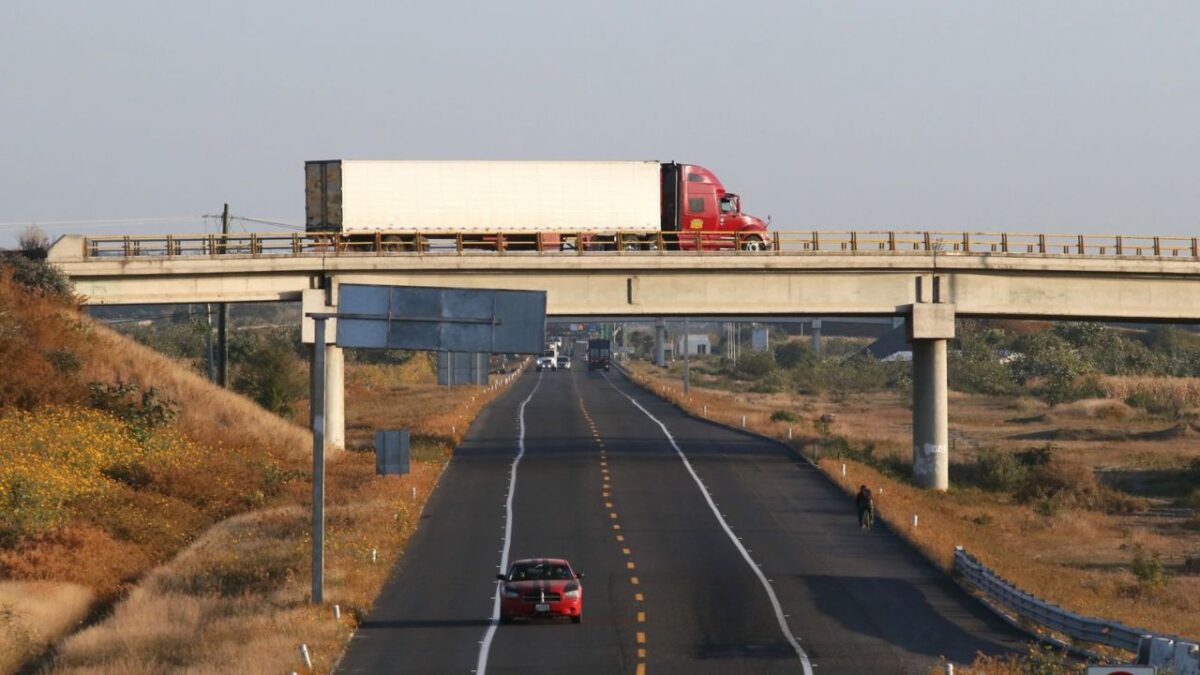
x=599 y=353
x=543 y=205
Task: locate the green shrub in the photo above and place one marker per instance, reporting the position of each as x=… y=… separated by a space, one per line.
x=794 y=354
x=143 y=413
x=784 y=416
x=756 y=364
x=271 y=375
x=1148 y=569
x=1001 y=471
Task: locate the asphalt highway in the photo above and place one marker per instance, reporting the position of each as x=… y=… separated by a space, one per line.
x=705 y=550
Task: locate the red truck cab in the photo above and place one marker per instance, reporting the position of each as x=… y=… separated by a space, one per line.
x=701 y=214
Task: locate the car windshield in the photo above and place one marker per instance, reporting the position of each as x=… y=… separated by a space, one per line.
x=540 y=571
x=562 y=359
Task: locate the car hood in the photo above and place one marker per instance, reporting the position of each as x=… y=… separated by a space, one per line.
x=548 y=585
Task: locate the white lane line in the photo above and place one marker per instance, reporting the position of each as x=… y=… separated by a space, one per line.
x=486 y=645
x=754 y=567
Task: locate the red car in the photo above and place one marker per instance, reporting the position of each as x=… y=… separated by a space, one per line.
x=541 y=587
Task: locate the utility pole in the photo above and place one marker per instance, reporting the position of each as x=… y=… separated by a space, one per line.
x=223 y=312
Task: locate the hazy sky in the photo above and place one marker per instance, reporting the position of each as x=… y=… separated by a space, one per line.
x=1038 y=115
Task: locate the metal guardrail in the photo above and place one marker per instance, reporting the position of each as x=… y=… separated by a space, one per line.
x=1077 y=626
x=641 y=243
x=1152 y=648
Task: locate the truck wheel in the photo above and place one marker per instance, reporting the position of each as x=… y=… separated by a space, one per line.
x=754 y=244
x=631 y=243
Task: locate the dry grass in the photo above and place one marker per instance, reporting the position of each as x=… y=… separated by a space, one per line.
x=237 y=599
x=1184 y=390
x=34 y=615
x=1077 y=558
x=208 y=413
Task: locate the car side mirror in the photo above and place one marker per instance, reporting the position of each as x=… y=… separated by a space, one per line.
x=579 y=575
x=501 y=577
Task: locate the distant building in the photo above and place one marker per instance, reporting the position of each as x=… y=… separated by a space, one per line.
x=760 y=339
x=698 y=344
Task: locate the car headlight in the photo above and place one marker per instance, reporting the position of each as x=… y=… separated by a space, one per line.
x=572 y=594
x=510 y=592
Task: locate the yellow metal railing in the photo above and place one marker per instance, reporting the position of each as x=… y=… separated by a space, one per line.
x=777 y=242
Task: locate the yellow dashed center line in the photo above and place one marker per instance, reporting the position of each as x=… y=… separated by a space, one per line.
x=606 y=493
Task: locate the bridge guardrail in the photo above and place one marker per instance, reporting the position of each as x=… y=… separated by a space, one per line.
x=1181 y=654
x=776 y=242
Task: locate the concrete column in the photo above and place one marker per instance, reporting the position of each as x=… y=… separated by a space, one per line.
x=335 y=396
x=930 y=325
x=660 y=338
x=931 y=436
x=816 y=335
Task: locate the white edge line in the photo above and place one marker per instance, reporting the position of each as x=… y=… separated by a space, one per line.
x=762 y=578
x=486 y=645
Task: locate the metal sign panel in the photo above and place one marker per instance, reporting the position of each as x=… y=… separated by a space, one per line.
x=441 y=319
x=1121 y=670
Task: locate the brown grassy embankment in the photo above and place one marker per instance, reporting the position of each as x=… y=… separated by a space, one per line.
x=238 y=598
x=117 y=458
x=1079 y=557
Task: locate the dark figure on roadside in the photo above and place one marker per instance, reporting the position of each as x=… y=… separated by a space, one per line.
x=866 y=507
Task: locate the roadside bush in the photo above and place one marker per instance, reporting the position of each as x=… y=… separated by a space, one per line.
x=35 y=274
x=1148 y=569
x=755 y=364
x=1061 y=484
x=795 y=354
x=143 y=414
x=271 y=375
x=784 y=416
x=1001 y=471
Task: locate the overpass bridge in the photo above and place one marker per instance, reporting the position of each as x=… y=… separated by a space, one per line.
x=930 y=278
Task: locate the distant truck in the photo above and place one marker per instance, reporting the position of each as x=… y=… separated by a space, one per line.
x=599 y=354
x=543 y=205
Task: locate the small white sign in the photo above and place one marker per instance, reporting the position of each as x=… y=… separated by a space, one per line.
x=1122 y=670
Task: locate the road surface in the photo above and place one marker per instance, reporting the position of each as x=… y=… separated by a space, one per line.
x=705 y=551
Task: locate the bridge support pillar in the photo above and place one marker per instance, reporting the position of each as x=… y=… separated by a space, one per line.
x=816 y=335
x=335 y=396
x=660 y=347
x=930 y=327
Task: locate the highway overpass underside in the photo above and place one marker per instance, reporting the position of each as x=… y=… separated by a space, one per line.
x=931 y=290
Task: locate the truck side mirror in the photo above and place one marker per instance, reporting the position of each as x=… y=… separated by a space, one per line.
x=501 y=577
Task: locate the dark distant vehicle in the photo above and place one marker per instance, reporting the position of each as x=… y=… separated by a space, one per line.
x=541 y=588
x=599 y=354
x=564 y=363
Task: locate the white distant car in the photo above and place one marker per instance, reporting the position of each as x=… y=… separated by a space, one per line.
x=546 y=363
x=564 y=362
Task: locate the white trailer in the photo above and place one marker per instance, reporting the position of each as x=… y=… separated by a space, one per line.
x=366 y=196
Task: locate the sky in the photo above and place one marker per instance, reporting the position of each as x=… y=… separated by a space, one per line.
x=1033 y=116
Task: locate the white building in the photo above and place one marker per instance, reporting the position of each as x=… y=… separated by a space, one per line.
x=698 y=344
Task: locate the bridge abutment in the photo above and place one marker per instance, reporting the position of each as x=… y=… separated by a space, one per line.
x=931 y=326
